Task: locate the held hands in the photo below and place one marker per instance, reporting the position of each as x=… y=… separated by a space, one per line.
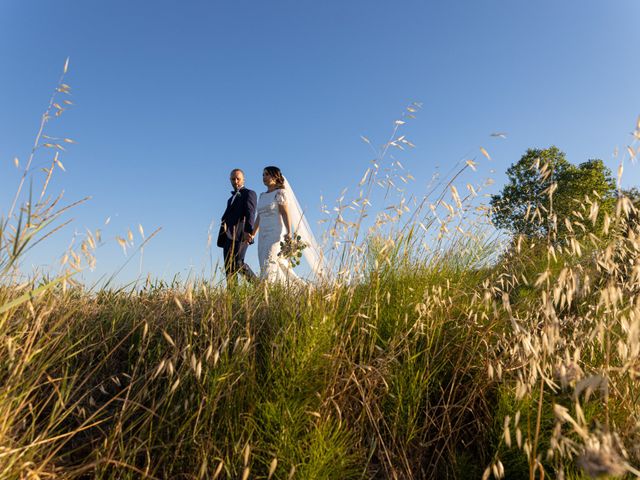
x=247 y=237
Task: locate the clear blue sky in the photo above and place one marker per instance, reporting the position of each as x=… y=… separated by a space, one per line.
x=171 y=95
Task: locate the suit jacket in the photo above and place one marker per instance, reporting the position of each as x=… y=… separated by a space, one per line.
x=239 y=216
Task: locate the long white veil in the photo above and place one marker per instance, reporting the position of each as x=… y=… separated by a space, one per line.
x=312 y=253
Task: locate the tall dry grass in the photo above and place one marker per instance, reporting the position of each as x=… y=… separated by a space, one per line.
x=431 y=352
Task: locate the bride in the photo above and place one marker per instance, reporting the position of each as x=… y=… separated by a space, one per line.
x=279 y=218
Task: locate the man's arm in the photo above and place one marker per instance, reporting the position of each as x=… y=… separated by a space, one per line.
x=251 y=211
x=226 y=210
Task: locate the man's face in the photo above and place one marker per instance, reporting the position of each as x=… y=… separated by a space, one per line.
x=237 y=180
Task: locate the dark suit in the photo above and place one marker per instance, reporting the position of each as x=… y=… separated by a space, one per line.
x=237 y=219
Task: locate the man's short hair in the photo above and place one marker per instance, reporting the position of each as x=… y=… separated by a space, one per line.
x=237 y=170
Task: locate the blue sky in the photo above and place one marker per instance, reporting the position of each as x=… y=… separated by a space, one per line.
x=169 y=96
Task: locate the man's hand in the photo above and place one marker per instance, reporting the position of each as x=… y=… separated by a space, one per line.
x=247 y=238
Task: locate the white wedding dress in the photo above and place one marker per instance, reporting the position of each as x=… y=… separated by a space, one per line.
x=277 y=269
x=273 y=268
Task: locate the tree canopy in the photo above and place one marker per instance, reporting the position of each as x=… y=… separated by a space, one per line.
x=544 y=190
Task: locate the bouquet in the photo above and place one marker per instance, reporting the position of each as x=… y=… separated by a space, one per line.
x=291 y=249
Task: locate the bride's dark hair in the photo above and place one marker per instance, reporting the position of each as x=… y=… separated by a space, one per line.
x=276 y=174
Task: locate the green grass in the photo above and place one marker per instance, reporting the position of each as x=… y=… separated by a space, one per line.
x=383 y=378
x=334 y=384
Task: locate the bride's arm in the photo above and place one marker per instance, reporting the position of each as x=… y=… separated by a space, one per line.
x=284 y=212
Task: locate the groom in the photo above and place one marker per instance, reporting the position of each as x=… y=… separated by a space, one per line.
x=237 y=223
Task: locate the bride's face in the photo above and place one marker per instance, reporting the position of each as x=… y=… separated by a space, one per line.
x=267 y=179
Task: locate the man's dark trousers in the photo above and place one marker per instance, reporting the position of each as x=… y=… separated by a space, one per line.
x=234 y=253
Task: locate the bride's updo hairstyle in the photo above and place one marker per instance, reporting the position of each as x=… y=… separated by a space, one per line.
x=276 y=174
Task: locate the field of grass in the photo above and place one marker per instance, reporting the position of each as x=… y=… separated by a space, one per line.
x=464 y=360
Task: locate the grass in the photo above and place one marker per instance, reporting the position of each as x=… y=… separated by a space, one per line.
x=332 y=386
x=431 y=353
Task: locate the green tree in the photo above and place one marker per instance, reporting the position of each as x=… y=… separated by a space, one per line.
x=543 y=181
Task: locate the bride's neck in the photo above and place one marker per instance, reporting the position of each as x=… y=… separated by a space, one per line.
x=271 y=189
